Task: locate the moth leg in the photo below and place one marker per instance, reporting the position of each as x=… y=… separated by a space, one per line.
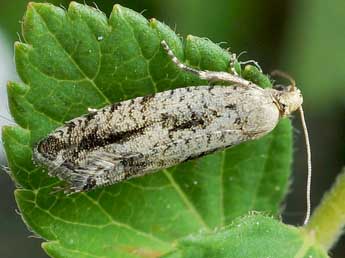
x=92 y=110
x=235 y=59
x=232 y=63
x=205 y=75
x=5 y=169
x=251 y=61
x=57 y=189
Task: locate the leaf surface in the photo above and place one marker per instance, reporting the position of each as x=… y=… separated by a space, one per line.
x=79 y=59
x=250 y=236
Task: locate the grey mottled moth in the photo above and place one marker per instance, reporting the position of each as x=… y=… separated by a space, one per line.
x=141 y=135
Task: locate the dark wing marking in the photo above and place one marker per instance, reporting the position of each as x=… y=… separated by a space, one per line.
x=103 y=168
x=100 y=168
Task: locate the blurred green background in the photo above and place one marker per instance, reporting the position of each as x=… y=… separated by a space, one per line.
x=305 y=38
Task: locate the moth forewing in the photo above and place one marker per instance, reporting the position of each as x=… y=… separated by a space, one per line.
x=172 y=127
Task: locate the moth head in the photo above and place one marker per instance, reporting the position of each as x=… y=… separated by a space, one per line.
x=288 y=100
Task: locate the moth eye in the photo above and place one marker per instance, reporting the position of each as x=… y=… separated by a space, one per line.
x=283 y=106
x=280 y=87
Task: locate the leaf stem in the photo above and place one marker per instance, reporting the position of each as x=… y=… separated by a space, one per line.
x=328 y=218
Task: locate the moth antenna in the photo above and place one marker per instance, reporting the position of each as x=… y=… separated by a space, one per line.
x=307 y=143
x=286 y=76
x=56 y=189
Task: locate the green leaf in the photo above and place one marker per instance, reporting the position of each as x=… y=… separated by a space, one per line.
x=78 y=59
x=250 y=236
x=328 y=219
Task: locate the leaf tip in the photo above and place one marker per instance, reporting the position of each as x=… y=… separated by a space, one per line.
x=21 y=46
x=17 y=88
x=117 y=8
x=30 y=5
x=73 y=4
x=47 y=246
x=4 y=130
x=153 y=22
x=52 y=248
x=189 y=37
x=23 y=195
x=33 y=5
x=75 y=7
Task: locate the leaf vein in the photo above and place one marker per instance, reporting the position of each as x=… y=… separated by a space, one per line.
x=186 y=201
x=72 y=59
x=106 y=213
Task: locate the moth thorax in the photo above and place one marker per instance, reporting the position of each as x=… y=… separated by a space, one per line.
x=288 y=100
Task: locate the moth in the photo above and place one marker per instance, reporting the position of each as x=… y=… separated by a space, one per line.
x=142 y=135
